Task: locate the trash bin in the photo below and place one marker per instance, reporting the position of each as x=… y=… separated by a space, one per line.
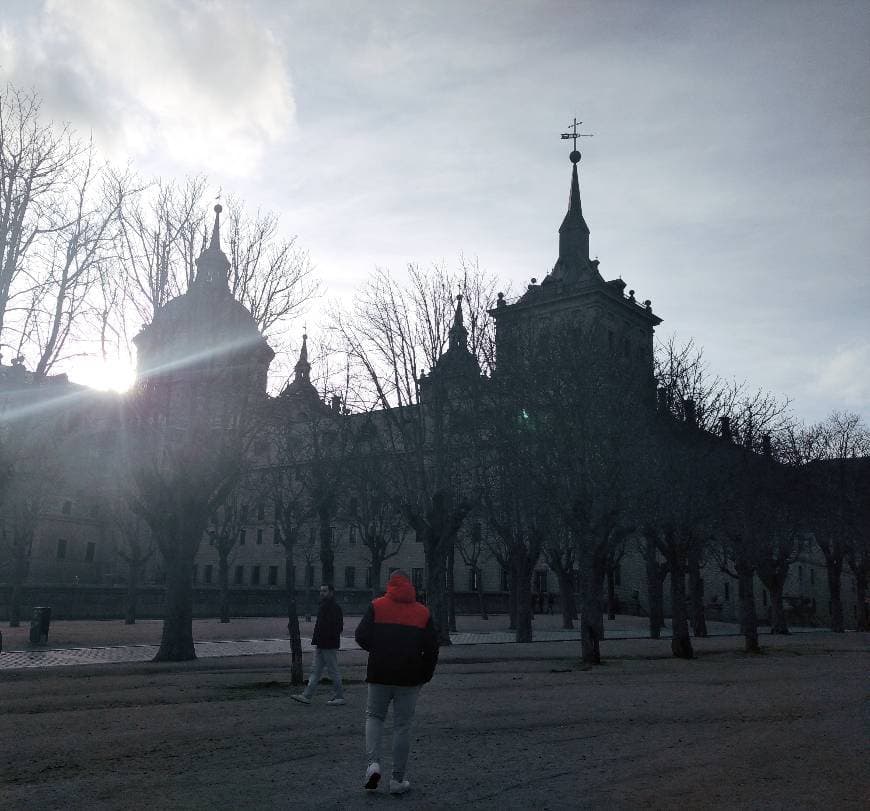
x=39 y=623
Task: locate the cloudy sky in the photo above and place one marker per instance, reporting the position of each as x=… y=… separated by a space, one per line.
x=728 y=179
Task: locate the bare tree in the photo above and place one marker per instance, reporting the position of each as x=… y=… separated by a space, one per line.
x=833 y=454
x=136 y=549
x=37 y=161
x=393 y=335
x=224 y=527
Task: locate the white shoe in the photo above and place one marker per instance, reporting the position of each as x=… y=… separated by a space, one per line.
x=302 y=699
x=399 y=786
x=336 y=702
x=373 y=776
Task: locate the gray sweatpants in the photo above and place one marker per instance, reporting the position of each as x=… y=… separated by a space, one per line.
x=404 y=700
x=324 y=659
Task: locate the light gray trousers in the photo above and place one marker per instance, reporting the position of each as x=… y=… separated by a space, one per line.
x=404 y=700
x=324 y=659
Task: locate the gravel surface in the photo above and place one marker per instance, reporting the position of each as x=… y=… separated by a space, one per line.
x=500 y=726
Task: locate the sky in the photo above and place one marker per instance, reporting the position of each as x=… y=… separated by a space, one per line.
x=728 y=179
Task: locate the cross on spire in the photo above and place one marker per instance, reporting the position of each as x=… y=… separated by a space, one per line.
x=574 y=134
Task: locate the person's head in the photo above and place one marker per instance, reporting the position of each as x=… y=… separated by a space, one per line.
x=399 y=573
x=327 y=591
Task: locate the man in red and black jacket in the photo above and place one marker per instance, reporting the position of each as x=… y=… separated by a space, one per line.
x=400 y=637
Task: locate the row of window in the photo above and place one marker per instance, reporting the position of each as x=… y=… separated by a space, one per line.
x=90 y=550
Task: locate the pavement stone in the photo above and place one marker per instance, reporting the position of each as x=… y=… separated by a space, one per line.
x=61 y=657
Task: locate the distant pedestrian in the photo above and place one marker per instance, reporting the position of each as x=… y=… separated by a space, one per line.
x=326 y=640
x=400 y=637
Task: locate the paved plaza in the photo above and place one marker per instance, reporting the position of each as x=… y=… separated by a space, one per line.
x=474 y=631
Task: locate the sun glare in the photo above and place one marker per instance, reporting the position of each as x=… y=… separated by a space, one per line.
x=111 y=374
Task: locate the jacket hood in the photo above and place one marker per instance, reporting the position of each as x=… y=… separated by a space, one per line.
x=400 y=589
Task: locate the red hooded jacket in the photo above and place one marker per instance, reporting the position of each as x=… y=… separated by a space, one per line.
x=400 y=637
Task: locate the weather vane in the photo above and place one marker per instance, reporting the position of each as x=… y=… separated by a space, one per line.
x=575 y=135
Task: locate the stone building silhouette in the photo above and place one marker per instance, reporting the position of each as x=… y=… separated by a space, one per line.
x=202 y=357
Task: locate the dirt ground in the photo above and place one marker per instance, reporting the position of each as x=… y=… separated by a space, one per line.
x=500 y=726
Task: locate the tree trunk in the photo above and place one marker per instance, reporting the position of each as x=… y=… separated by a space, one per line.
x=480 y=595
x=681 y=643
x=176 y=643
x=132 y=591
x=15 y=606
x=863 y=619
x=775 y=585
x=20 y=567
x=224 y=584
x=654 y=587
x=835 y=572
x=327 y=553
x=566 y=599
x=611 y=593
x=748 y=617
x=591 y=616
x=513 y=600
x=696 y=595
x=451 y=589
x=523 y=569
x=436 y=591
x=296 y=673
x=377 y=565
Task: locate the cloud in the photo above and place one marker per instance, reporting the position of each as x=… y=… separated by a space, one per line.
x=843 y=378
x=201 y=83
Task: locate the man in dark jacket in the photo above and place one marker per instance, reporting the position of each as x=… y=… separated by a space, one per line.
x=400 y=637
x=326 y=640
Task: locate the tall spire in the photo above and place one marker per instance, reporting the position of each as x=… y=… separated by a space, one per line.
x=458 y=335
x=215 y=244
x=303 y=367
x=212 y=265
x=574 y=233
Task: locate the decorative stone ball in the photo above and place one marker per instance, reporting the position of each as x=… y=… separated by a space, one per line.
x=575 y=157
x=218 y=208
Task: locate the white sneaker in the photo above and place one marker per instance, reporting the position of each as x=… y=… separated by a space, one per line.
x=399 y=786
x=301 y=698
x=336 y=702
x=373 y=776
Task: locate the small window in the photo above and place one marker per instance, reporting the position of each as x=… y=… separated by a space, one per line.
x=61 y=548
x=309 y=575
x=255 y=575
x=417 y=578
x=505 y=580
x=352 y=535
x=353 y=508
x=261 y=511
x=66 y=508
x=727 y=591
x=273 y=575
x=194 y=573
x=206 y=573
x=800 y=573
x=368 y=577
x=276 y=537
x=541 y=581
x=349 y=577
x=259 y=536
x=472 y=579
x=90 y=549
x=242 y=537
x=240 y=575
x=243 y=513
